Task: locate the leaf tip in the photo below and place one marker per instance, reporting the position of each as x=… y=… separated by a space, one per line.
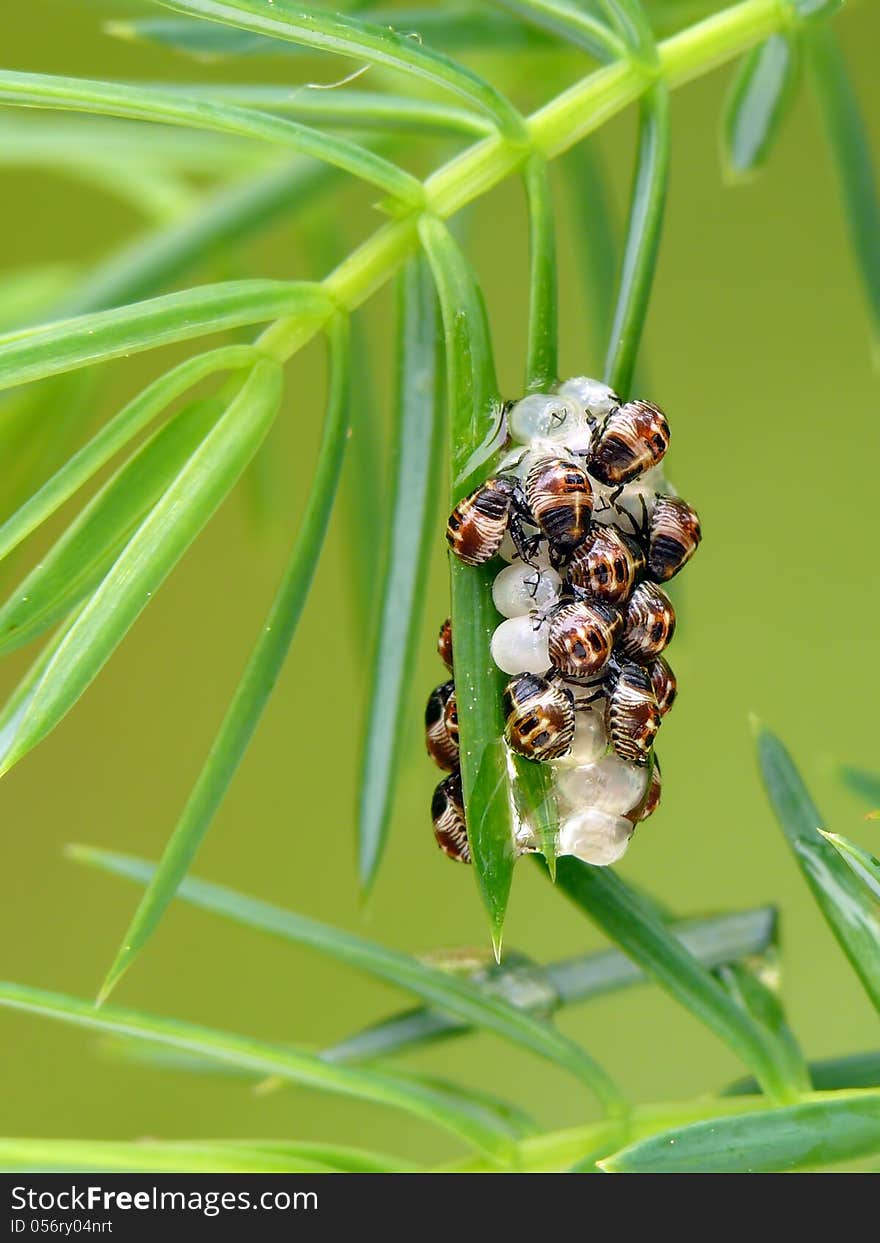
x=873 y=815
x=114 y=975
x=757 y=726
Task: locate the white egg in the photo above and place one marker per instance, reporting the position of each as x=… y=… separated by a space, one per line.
x=508 y=552
x=594 y=836
x=594 y=397
x=589 y=742
x=519 y=645
x=544 y=416
x=608 y=784
x=522 y=588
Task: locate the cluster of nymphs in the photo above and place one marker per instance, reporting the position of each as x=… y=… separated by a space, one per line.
x=581 y=512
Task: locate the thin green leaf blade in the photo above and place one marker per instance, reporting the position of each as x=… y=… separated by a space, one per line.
x=114 y=436
x=855 y=1070
x=474 y=426
x=635 y=927
x=150 y=555
x=859 y=861
x=363 y=41
x=542 y=366
x=647 y=203
x=155 y=1156
x=758 y=103
x=851 y=153
x=537 y=806
x=450 y=994
x=260 y=1057
x=35 y=90
x=259 y=678
x=715 y=941
x=842 y=899
x=78 y=561
x=34 y=353
x=760 y=1001
x=406 y=559
x=803 y=1136
x=571 y=23
x=445 y=27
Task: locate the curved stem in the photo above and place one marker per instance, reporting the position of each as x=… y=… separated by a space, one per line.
x=553 y=129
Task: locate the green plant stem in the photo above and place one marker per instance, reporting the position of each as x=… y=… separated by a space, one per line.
x=553 y=129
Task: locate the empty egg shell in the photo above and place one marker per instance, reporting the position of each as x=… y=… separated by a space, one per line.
x=545 y=417
x=521 y=588
x=594 y=836
x=608 y=784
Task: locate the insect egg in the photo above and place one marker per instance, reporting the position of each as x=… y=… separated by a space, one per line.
x=441 y=726
x=447 y=813
x=444 y=643
x=520 y=645
x=630 y=440
x=540 y=717
x=606 y=565
x=581 y=637
x=648 y=623
x=594 y=836
x=521 y=588
x=479 y=521
x=674 y=535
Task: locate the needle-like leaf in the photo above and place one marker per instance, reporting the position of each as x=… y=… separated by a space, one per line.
x=248 y=1054
x=202 y=1156
x=572 y=23
x=148 y=558
x=474 y=423
x=850 y=147
x=115 y=435
x=36 y=90
x=851 y=914
x=647 y=203
x=542 y=369
x=75 y=565
x=859 y=861
x=447 y=992
x=259 y=678
x=758 y=103
x=34 y=353
x=814 y=1133
x=410 y=537
x=856 y=1070
x=629 y=921
x=365 y=42
x=715 y=941
x=449 y=27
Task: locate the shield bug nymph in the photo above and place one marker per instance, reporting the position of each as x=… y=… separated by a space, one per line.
x=479 y=521
x=648 y=623
x=664 y=683
x=447 y=813
x=673 y=536
x=540 y=717
x=559 y=499
x=441 y=727
x=606 y=565
x=582 y=636
x=631 y=713
x=444 y=643
x=631 y=439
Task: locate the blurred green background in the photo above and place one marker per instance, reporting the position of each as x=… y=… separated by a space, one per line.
x=757 y=347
